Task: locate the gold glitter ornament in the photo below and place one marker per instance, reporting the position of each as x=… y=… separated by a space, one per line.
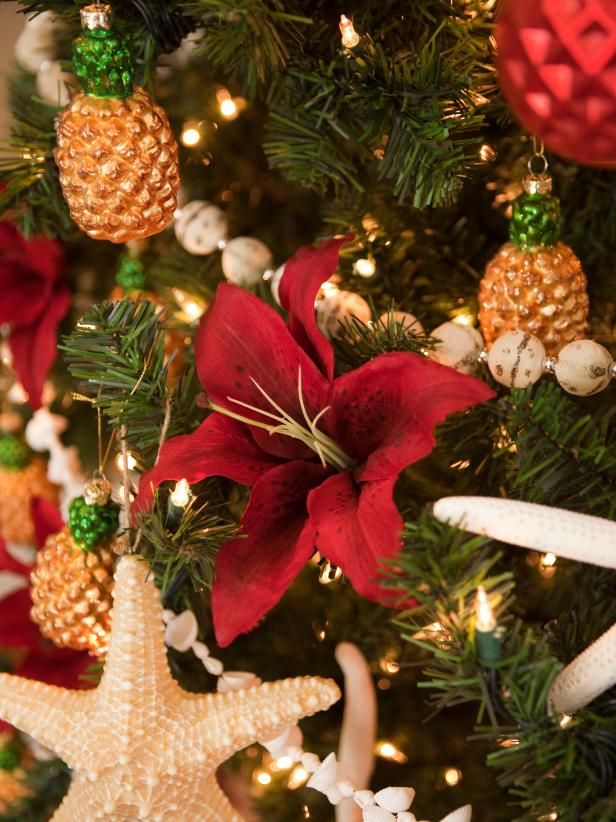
x=72 y=593
x=139 y=746
x=19 y=488
x=116 y=153
x=534 y=283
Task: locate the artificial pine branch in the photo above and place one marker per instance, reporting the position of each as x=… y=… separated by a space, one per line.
x=117 y=352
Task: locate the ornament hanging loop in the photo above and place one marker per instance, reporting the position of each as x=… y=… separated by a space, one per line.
x=538 y=180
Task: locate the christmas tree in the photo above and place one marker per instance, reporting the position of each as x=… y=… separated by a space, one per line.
x=308 y=336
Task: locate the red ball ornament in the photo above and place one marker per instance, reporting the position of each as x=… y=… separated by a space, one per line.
x=557 y=67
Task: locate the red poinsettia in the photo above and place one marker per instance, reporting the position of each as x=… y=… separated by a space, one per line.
x=322 y=455
x=42 y=660
x=34 y=300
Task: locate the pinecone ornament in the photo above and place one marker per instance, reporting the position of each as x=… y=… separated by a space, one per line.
x=534 y=283
x=22 y=478
x=72 y=580
x=116 y=153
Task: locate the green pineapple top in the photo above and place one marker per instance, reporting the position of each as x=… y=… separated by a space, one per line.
x=535 y=220
x=92 y=524
x=14 y=453
x=101 y=57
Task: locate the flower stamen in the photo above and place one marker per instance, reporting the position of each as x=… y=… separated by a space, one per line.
x=328 y=451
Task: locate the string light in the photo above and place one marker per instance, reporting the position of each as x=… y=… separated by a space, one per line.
x=547 y=565
x=510 y=742
x=389 y=664
x=487 y=153
x=283 y=763
x=191 y=135
x=329 y=573
x=365 y=267
x=350 y=38
x=181 y=494
x=486 y=621
x=387 y=750
x=263 y=778
x=488 y=645
x=298 y=777
x=548 y=559
x=465 y=317
x=191 y=309
x=566 y=719
x=131 y=462
x=452 y=776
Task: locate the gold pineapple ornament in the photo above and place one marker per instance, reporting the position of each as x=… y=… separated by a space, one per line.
x=117 y=157
x=23 y=477
x=72 y=581
x=534 y=283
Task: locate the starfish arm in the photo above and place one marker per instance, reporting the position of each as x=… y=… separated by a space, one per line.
x=226 y=723
x=53 y=716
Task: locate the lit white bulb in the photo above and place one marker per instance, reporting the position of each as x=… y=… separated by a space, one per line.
x=486 y=621
x=181 y=494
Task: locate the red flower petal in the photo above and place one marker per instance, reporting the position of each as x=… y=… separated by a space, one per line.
x=55 y=666
x=219 y=447
x=304 y=274
x=242 y=339
x=16 y=628
x=356 y=527
x=254 y=571
x=47 y=519
x=34 y=346
x=384 y=413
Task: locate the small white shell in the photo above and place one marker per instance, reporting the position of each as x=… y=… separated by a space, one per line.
x=291 y=737
x=363 y=798
x=459 y=346
x=326 y=776
x=213 y=666
x=376 y=814
x=37 y=42
x=200 y=650
x=11 y=582
x=516 y=359
x=236 y=681
x=244 y=260
x=407 y=816
x=582 y=368
x=462 y=814
x=395 y=799
x=181 y=631
x=200 y=227
x=337 y=306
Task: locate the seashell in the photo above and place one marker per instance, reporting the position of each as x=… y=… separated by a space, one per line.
x=181 y=631
x=395 y=799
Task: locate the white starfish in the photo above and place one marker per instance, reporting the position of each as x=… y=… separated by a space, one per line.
x=140 y=746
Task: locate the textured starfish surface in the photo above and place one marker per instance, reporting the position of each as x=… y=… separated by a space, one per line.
x=139 y=745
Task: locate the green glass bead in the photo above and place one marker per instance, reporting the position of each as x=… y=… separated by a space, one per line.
x=14 y=453
x=103 y=63
x=130 y=274
x=92 y=525
x=535 y=221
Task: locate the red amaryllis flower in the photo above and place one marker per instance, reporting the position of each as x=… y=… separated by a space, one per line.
x=34 y=300
x=42 y=660
x=322 y=455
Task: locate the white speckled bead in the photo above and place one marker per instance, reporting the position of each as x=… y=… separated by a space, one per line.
x=244 y=259
x=582 y=368
x=53 y=84
x=337 y=306
x=516 y=359
x=405 y=319
x=459 y=346
x=200 y=227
